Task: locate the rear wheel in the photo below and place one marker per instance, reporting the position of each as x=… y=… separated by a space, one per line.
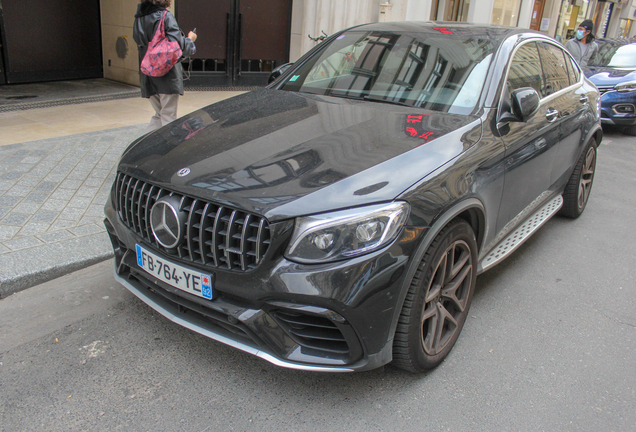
x=577 y=191
x=438 y=300
x=630 y=130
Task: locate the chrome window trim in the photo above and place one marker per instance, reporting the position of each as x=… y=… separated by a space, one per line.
x=544 y=99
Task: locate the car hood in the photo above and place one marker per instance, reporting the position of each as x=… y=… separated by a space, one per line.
x=606 y=76
x=282 y=154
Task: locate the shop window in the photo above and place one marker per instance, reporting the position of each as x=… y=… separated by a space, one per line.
x=506 y=12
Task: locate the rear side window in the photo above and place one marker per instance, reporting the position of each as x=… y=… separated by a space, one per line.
x=525 y=69
x=573 y=70
x=555 y=71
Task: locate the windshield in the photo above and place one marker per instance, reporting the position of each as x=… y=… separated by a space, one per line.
x=615 y=54
x=443 y=72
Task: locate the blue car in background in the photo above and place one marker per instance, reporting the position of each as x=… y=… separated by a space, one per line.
x=613 y=71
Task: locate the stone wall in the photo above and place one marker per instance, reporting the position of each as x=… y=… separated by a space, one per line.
x=119 y=51
x=312 y=17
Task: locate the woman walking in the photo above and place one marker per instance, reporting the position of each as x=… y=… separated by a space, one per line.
x=163 y=91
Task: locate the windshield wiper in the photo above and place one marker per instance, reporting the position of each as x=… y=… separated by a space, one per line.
x=374 y=99
x=366 y=98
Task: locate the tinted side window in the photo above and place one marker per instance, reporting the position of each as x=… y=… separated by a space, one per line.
x=525 y=69
x=555 y=71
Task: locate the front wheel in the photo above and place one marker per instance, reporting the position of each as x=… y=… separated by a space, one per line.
x=438 y=300
x=630 y=130
x=577 y=191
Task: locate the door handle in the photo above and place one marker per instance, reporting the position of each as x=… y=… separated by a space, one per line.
x=584 y=99
x=551 y=114
x=540 y=143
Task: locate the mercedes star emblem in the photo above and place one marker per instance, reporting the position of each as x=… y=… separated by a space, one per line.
x=183 y=172
x=166 y=221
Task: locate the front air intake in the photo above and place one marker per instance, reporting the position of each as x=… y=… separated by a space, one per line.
x=314 y=332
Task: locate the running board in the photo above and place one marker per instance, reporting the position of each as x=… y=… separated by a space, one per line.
x=521 y=234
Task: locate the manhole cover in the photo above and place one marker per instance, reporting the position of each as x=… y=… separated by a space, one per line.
x=21 y=97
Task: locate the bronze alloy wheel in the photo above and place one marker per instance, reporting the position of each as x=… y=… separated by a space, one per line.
x=447 y=297
x=438 y=299
x=587 y=175
x=577 y=191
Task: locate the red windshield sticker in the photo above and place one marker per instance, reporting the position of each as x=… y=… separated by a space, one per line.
x=443 y=30
x=415 y=128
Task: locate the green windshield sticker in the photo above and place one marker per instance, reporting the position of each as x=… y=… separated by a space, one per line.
x=294 y=78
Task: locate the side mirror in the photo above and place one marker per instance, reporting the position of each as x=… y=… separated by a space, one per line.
x=278 y=72
x=525 y=103
x=520 y=107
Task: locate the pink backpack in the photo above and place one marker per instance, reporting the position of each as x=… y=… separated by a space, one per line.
x=162 y=53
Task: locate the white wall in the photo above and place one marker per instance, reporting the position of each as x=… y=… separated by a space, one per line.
x=480 y=12
x=329 y=16
x=117 y=21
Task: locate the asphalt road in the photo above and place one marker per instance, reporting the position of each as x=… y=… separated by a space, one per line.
x=550 y=345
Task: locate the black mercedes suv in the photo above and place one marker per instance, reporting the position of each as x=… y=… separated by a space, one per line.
x=337 y=220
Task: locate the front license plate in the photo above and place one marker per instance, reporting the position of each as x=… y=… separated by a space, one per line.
x=191 y=281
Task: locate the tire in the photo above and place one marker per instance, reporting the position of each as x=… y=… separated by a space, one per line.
x=441 y=291
x=577 y=191
x=630 y=130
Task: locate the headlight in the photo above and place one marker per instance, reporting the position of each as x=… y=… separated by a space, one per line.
x=347 y=233
x=626 y=86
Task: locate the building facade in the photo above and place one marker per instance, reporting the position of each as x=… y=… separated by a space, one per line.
x=241 y=41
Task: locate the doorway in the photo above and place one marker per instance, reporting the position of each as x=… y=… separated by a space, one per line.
x=537 y=14
x=239 y=41
x=50 y=40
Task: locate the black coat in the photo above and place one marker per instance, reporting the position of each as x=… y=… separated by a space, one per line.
x=146 y=23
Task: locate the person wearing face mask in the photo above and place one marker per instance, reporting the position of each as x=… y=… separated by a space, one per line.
x=582 y=46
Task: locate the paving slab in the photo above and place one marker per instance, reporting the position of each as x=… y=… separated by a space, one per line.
x=52 y=194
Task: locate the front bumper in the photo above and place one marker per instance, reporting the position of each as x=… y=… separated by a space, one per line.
x=618 y=108
x=337 y=317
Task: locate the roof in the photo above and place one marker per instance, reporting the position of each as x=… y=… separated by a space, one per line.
x=443 y=27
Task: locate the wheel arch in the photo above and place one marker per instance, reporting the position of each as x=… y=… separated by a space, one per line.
x=471 y=210
x=597 y=135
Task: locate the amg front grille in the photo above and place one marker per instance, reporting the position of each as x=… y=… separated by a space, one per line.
x=215 y=235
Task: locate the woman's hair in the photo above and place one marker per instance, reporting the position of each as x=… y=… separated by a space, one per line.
x=160 y=3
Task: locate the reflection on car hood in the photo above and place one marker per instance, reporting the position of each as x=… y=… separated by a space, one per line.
x=605 y=76
x=284 y=154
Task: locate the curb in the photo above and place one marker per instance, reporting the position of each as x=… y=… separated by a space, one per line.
x=29 y=267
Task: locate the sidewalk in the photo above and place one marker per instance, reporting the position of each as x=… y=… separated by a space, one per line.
x=57 y=166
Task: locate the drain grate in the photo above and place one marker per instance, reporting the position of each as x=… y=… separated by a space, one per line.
x=221 y=88
x=101 y=98
x=71 y=101
x=21 y=97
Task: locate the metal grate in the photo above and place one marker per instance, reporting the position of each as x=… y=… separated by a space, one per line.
x=215 y=235
x=245 y=89
x=69 y=101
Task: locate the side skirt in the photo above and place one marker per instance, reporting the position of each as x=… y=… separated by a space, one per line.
x=521 y=234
